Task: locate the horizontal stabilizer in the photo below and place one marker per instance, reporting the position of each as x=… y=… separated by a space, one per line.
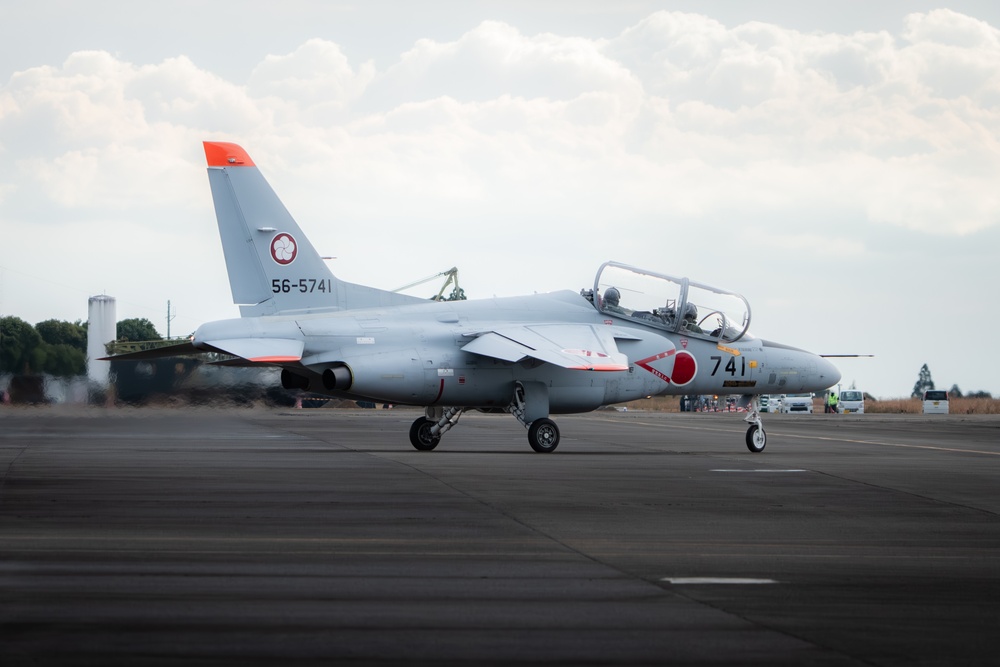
x=573 y=346
x=844 y=356
x=253 y=350
x=180 y=349
x=235 y=362
x=261 y=350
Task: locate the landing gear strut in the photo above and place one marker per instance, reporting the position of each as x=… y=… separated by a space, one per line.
x=426 y=432
x=530 y=406
x=756 y=438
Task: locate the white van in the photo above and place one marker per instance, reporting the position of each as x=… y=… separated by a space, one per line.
x=935 y=402
x=850 y=401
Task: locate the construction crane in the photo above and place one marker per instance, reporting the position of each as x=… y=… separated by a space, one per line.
x=451 y=277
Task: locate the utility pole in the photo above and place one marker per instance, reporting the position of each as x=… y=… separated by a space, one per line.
x=169 y=318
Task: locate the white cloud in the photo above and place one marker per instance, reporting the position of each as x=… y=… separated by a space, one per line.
x=678 y=104
x=495 y=60
x=946 y=27
x=178 y=94
x=681 y=143
x=317 y=74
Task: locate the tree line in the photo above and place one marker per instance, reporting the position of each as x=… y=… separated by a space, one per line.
x=56 y=347
x=926 y=383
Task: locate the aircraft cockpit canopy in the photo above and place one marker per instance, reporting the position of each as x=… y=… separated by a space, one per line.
x=675 y=304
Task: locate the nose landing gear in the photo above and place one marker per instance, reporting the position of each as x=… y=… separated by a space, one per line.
x=756 y=438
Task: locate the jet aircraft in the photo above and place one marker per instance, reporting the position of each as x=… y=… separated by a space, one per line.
x=632 y=333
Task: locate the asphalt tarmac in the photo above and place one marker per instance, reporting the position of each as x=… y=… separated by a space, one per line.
x=244 y=537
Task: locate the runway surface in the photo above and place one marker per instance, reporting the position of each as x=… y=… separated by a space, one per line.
x=321 y=537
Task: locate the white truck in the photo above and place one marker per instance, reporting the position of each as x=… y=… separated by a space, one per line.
x=851 y=401
x=796 y=403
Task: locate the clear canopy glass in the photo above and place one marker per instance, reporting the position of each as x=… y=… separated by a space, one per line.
x=675 y=304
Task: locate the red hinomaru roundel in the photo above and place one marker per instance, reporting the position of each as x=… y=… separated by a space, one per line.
x=684 y=369
x=284 y=249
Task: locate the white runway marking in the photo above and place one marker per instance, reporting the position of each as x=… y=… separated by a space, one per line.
x=738 y=581
x=757 y=470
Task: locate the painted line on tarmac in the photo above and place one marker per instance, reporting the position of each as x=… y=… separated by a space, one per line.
x=758 y=470
x=738 y=581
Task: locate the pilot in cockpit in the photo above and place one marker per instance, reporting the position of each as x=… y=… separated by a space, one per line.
x=612 y=299
x=691 y=318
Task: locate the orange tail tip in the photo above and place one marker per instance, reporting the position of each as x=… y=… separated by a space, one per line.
x=221 y=154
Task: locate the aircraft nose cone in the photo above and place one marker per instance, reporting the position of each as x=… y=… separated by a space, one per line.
x=828 y=373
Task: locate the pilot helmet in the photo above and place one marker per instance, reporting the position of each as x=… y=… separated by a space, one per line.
x=612 y=296
x=691 y=312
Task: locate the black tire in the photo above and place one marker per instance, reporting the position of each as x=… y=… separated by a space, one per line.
x=543 y=436
x=420 y=435
x=756 y=439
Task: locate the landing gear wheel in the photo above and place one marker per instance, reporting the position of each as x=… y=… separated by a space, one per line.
x=421 y=437
x=756 y=439
x=543 y=436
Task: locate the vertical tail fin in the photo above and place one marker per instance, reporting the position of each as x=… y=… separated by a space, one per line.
x=273 y=268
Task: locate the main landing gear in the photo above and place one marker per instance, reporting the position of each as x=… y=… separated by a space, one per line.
x=756 y=438
x=543 y=435
x=530 y=406
x=425 y=432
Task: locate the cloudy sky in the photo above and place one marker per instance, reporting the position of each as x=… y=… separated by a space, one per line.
x=839 y=167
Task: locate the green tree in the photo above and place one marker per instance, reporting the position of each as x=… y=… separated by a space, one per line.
x=955 y=392
x=19 y=346
x=63 y=360
x=137 y=328
x=25 y=349
x=57 y=332
x=924 y=382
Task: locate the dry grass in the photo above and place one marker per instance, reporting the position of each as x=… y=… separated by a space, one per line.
x=958 y=406
x=655 y=404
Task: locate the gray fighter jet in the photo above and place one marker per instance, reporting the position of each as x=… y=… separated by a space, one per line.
x=631 y=334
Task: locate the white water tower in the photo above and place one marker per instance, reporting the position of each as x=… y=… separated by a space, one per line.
x=101 y=330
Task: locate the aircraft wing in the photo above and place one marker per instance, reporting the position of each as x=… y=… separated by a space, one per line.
x=574 y=346
x=254 y=350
